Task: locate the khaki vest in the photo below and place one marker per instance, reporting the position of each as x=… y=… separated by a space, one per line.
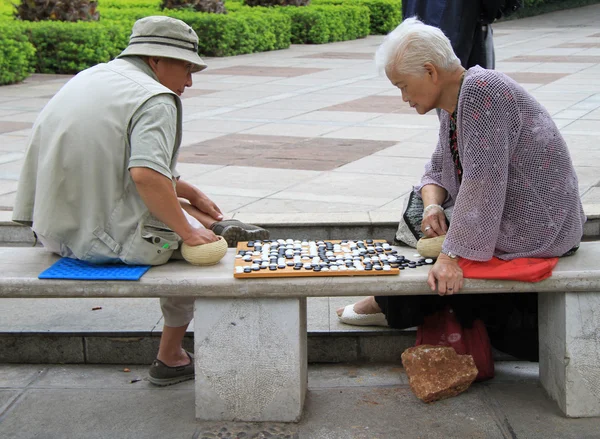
x=75 y=187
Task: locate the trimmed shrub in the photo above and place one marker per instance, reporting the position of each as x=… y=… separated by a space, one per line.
x=72 y=47
x=277 y=2
x=17 y=54
x=385 y=14
x=57 y=10
x=127 y=4
x=327 y=24
x=213 y=6
x=239 y=33
x=127 y=15
x=7 y=10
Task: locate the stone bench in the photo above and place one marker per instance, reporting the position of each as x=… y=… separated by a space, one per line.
x=250 y=335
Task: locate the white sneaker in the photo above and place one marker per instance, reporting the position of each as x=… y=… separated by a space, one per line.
x=350 y=317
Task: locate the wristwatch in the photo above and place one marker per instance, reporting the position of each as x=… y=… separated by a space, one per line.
x=450 y=255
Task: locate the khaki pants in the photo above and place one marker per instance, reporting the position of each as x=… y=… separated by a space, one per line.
x=179 y=311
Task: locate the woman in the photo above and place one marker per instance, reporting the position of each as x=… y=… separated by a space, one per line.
x=500 y=162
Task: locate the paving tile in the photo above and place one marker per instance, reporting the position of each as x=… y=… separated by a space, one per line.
x=409 y=149
x=325 y=116
x=195 y=92
x=219 y=125
x=77 y=315
x=317 y=314
x=191 y=138
x=8 y=186
x=404 y=166
x=349 y=187
x=46 y=77
x=555 y=59
x=7 y=201
x=291 y=206
x=247 y=181
x=374 y=104
x=535 y=78
x=9 y=126
x=16 y=376
x=290 y=129
x=340 y=55
x=286 y=72
x=579 y=44
x=279 y=151
x=375 y=133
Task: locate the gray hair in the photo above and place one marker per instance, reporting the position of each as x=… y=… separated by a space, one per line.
x=407 y=48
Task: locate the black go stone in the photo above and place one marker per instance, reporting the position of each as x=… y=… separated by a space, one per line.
x=250 y=243
x=247 y=270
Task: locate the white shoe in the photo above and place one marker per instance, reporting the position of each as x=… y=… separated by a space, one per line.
x=350 y=317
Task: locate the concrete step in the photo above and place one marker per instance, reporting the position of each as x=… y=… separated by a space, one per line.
x=114 y=331
x=357 y=225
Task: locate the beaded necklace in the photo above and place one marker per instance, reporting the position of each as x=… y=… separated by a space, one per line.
x=454 y=135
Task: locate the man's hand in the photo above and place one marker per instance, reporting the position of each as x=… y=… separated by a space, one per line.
x=206 y=205
x=448 y=274
x=198 y=199
x=434 y=223
x=199 y=237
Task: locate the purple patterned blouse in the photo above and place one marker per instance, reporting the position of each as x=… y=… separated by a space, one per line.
x=519 y=195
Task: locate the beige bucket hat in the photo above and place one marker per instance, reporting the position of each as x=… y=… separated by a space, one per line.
x=166 y=37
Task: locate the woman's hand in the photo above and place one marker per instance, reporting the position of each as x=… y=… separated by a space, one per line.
x=434 y=222
x=447 y=274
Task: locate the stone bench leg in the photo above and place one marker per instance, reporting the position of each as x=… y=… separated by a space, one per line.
x=250 y=359
x=569 y=325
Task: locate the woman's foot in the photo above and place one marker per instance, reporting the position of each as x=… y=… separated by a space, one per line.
x=368 y=305
x=363 y=313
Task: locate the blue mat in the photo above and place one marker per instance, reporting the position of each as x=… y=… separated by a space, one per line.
x=67 y=268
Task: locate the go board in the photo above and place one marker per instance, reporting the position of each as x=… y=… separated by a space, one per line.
x=295 y=258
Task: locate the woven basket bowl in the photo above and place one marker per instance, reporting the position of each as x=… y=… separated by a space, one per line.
x=430 y=247
x=205 y=254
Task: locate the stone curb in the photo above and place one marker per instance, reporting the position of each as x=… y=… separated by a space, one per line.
x=382 y=346
x=358 y=225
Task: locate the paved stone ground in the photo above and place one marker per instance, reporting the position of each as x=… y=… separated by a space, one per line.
x=314 y=131
x=343 y=402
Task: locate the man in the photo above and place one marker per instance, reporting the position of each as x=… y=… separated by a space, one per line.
x=99 y=182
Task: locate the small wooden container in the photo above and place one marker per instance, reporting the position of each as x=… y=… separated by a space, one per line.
x=205 y=254
x=430 y=247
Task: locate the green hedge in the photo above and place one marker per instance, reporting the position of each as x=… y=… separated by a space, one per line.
x=72 y=47
x=235 y=34
x=327 y=24
x=126 y=4
x=385 y=15
x=16 y=54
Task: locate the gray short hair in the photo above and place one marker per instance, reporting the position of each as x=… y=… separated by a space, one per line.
x=412 y=44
